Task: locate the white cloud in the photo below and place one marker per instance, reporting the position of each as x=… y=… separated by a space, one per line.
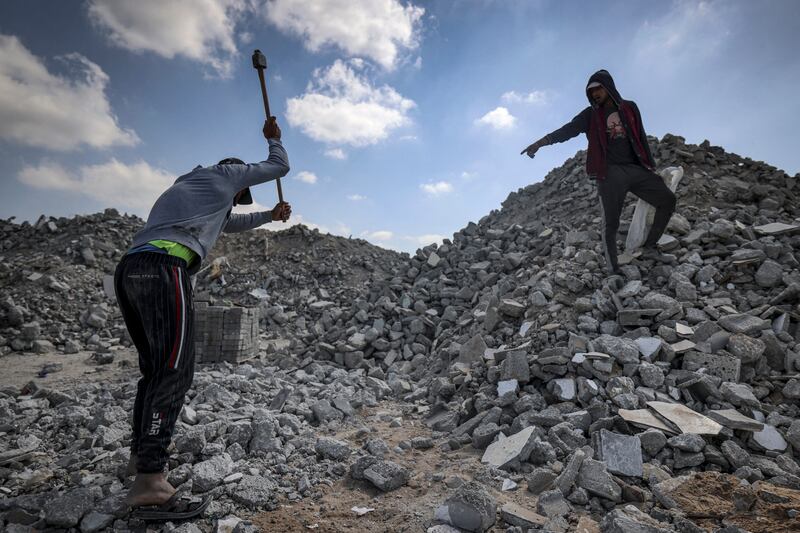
x=498 y=118
x=534 y=97
x=438 y=188
x=340 y=106
x=377 y=29
x=468 y=176
x=306 y=177
x=356 y=197
x=426 y=239
x=135 y=186
x=690 y=32
x=41 y=109
x=336 y=153
x=380 y=236
x=200 y=30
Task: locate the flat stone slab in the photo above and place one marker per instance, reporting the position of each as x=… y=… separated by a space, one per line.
x=509 y=449
x=648 y=346
x=516 y=515
x=621 y=453
x=683 y=346
x=743 y=323
x=564 y=389
x=731 y=418
x=472 y=350
x=645 y=418
x=770 y=439
x=685 y=419
x=775 y=228
x=725 y=367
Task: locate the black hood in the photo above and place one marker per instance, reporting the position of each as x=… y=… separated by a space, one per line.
x=604 y=78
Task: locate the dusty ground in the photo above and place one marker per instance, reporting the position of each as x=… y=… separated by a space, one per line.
x=20 y=368
x=708 y=499
x=408 y=509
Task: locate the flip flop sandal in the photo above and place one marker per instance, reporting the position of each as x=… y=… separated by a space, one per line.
x=176 y=508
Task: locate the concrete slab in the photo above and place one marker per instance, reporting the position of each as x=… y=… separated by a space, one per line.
x=645 y=418
x=770 y=439
x=621 y=453
x=731 y=418
x=516 y=515
x=505 y=451
x=776 y=228
x=688 y=421
x=725 y=367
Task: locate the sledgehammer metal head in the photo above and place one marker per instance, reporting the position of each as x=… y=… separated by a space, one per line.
x=259 y=60
x=260 y=64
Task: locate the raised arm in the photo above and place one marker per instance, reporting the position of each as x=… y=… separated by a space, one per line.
x=275 y=166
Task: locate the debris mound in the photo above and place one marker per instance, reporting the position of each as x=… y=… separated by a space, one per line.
x=607 y=397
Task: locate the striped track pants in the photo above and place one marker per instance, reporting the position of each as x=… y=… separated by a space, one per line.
x=154 y=293
x=612 y=191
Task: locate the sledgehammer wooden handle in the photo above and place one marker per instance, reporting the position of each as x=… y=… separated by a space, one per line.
x=260 y=64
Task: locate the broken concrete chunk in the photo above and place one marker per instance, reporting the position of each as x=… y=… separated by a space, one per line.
x=472 y=351
x=621 y=453
x=631 y=520
x=516 y=515
x=386 y=475
x=552 y=504
x=644 y=418
x=724 y=367
x=733 y=419
x=685 y=419
x=776 y=228
x=743 y=323
x=471 y=509
x=596 y=480
x=770 y=439
x=517 y=447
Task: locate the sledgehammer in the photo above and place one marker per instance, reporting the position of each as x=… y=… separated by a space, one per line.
x=260 y=64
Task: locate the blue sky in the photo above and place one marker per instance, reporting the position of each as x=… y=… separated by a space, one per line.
x=403 y=120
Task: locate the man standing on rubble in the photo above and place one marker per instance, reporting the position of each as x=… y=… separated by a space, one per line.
x=619 y=159
x=154 y=293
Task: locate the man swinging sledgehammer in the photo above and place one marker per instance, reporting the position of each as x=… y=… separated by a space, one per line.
x=154 y=293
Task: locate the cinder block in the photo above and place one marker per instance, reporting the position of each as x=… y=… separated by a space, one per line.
x=225 y=333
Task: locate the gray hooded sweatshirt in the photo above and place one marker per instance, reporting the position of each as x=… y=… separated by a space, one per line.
x=197 y=207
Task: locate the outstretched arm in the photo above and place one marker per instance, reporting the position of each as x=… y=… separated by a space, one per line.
x=579 y=124
x=244 y=221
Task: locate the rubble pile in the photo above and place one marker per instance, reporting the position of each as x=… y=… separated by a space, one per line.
x=53 y=274
x=601 y=395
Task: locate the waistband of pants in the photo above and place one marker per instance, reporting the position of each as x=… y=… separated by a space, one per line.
x=154 y=258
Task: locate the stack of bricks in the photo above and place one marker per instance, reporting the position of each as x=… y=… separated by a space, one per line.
x=225 y=333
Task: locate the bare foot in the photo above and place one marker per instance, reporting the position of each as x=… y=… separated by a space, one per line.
x=150 y=489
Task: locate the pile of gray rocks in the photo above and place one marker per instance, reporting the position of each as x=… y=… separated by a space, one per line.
x=595 y=392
